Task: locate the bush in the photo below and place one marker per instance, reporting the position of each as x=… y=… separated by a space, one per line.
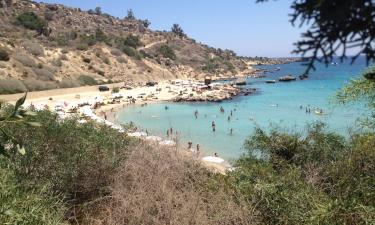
x=314 y=178
x=33 y=48
x=167 y=52
x=106 y=60
x=48 y=15
x=132 y=41
x=57 y=62
x=86 y=60
x=31 y=21
x=157 y=185
x=11 y=86
x=116 y=90
x=66 y=83
x=116 y=52
x=25 y=60
x=132 y=52
x=22 y=205
x=82 y=46
x=87 y=80
x=61 y=40
x=36 y=85
x=4 y=55
x=44 y=74
x=92 y=152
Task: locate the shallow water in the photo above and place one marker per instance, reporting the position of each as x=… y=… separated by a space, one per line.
x=275 y=103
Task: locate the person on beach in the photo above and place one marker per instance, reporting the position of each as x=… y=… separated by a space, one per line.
x=198 y=149
x=216 y=155
x=213 y=125
x=105 y=116
x=190 y=144
x=171 y=131
x=168 y=133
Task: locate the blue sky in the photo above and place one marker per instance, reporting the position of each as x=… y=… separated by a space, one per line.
x=242 y=25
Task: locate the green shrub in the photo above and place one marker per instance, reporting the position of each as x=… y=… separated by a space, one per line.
x=92 y=152
x=132 y=41
x=116 y=52
x=132 y=52
x=106 y=60
x=89 y=40
x=116 y=90
x=87 y=80
x=24 y=60
x=4 y=55
x=44 y=74
x=33 y=48
x=37 y=85
x=167 y=52
x=26 y=206
x=86 y=60
x=315 y=177
x=101 y=73
x=61 y=40
x=31 y=21
x=11 y=86
x=48 y=15
x=64 y=57
x=82 y=46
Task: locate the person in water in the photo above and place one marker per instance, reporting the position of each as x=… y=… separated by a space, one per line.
x=196 y=114
x=231 y=131
x=222 y=109
x=216 y=155
x=166 y=107
x=213 y=125
x=228 y=118
x=231 y=113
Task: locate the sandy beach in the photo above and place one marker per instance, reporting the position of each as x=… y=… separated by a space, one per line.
x=101 y=106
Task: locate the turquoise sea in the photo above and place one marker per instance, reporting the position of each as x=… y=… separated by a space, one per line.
x=277 y=103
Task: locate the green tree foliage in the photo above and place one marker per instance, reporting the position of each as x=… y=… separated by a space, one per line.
x=31 y=21
x=132 y=41
x=167 y=52
x=177 y=30
x=98 y=11
x=130 y=15
x=361 y=90
x=146 y=23
x=312 y=178
x=335 y=26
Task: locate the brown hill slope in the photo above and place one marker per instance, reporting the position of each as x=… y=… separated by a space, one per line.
x=46 y=46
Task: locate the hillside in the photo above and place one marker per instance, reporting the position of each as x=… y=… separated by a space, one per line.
x=47 y=46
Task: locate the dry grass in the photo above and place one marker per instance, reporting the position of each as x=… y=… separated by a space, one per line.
x=161 y=186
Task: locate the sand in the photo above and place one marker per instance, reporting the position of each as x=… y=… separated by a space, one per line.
x=72 y=96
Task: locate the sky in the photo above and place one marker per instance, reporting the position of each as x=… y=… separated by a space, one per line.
x=248 y=28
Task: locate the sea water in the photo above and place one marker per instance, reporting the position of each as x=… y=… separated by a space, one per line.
x=282 y=104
